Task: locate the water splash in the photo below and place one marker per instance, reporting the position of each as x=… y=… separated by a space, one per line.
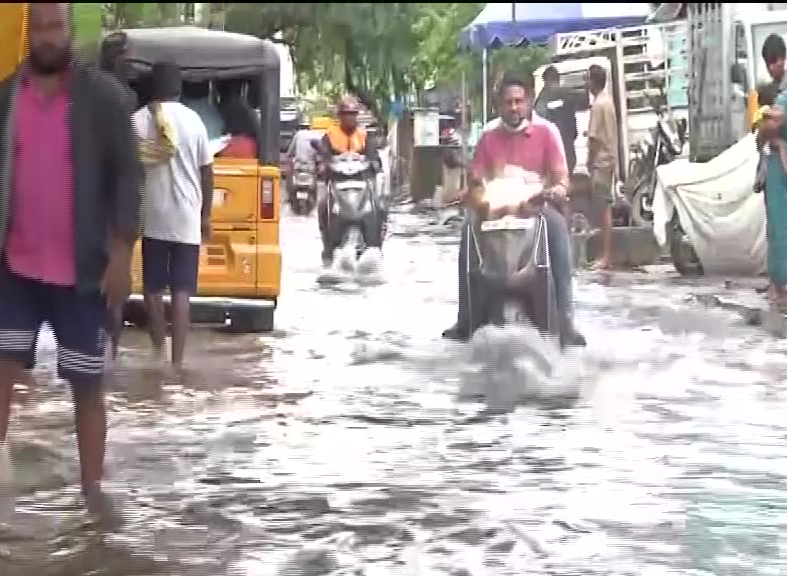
x=510 y=364
x=369 y=268
x=364 y=271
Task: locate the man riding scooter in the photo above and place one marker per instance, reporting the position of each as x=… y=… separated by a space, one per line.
x=341 y=139
x=302 y=160
x=527 y=142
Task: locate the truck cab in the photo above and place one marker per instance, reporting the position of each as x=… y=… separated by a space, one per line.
x=640 y=63
x=725 y=48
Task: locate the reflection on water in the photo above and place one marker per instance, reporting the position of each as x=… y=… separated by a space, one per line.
x=354 y=441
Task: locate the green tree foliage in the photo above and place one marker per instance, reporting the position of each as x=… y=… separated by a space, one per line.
x=87 y=23
x=366 y=47
x=440 y=64
x=142 y=14
x=377 y=51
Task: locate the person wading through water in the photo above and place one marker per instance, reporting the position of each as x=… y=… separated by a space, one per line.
x=773 y=128
x=69 y=215
x=177 y=204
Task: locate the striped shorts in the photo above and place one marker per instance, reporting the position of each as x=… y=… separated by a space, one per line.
x=78 y=321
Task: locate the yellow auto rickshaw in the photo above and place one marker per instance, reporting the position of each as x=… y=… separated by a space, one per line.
x=323 y=123
x=13 y=36
x=240 y=266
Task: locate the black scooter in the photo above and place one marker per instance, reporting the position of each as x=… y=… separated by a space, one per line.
x=510 y=280
x=302 y=194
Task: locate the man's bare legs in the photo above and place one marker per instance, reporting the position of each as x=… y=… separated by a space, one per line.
x=90 y=418
x=115 y=323
x=181 y=322
x=157 y=318
x=601 y=181
x=606 y=239
x=172 y=265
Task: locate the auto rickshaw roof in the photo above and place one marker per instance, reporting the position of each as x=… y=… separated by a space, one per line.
x=200 y=53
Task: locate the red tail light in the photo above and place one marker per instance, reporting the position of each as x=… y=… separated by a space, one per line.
x=267 y=208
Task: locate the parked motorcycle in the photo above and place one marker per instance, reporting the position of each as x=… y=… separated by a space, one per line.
x=303 y=188
x=356 y=214
x=512 y=281
x=663 y=144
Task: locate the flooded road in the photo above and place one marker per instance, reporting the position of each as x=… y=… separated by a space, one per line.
x=339 y=446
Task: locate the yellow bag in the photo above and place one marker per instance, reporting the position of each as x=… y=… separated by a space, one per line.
x=160 y=149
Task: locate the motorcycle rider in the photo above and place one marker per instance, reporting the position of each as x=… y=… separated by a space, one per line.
x=526 y=141
x=345 y=137
x=301 y=151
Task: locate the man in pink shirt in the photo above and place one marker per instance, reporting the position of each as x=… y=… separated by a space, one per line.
x=70 y=184
x=533 y=144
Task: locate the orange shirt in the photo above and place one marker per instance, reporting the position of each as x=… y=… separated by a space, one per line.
x=342 y=142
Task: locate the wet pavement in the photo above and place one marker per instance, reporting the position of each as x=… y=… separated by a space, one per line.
x=341 y=445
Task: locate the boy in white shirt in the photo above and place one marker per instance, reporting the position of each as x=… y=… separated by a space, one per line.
x=176 y=205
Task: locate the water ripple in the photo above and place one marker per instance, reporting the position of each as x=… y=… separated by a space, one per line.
x=353 y=441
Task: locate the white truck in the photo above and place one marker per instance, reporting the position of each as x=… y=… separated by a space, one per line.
x=726 y=66
x=705 y=209
x=638 y=61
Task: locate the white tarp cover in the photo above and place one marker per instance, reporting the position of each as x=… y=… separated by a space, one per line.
x=722 y=216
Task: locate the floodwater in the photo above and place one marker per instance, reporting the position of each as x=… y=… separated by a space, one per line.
x=353 y=441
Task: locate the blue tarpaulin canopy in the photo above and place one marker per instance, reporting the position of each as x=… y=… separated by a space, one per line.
x=514 y=23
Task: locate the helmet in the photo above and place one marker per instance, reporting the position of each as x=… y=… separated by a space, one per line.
x=349 y=105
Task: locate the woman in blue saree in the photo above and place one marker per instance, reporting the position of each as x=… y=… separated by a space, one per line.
x=776 y=203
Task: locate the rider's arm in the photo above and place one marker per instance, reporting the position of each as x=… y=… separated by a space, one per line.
x=480 y=167
x=371 y=154
x=481 y=164
x=324 y=150
x=291 y=147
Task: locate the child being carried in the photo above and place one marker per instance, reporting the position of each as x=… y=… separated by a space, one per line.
x=768 y=109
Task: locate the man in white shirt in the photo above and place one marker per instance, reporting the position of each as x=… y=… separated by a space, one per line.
x=301 y=152
x=176 y=205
